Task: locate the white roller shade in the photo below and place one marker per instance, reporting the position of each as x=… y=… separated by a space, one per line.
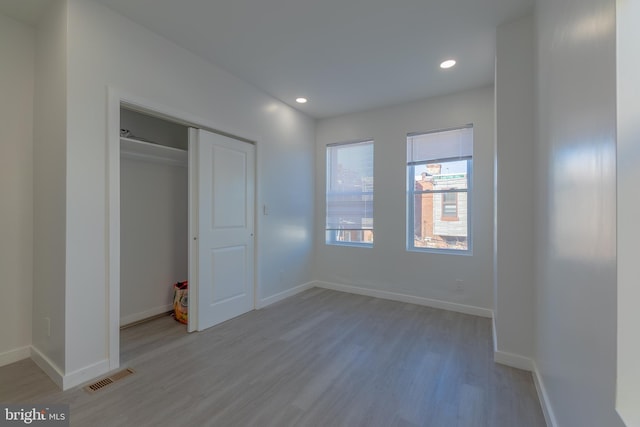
x=350 y=186
x=454 y=144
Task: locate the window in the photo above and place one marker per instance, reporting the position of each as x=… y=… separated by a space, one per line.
x=439 y=165
x=449 y=206
x=350 y=194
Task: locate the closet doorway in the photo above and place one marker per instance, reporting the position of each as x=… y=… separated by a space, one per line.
x=154 y=226
x=184 y=210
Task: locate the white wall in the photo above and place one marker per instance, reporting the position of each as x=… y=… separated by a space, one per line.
x=515 y=108
x=388 y=266
x=575 y=328
x=153 y=236
x=49 y=169
x=628 y=111
x=17 y=48
x=107 y=49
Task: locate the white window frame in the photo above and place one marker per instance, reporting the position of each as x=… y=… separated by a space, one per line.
x=411 y=193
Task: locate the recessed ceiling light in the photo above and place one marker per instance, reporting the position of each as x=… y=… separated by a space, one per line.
x=301 y=100
x=448 y=63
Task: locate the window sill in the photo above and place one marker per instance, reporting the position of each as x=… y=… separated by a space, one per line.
x=468 y=252
x=350 y=244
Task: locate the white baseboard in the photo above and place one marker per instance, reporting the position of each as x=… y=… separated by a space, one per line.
x=135 y=317
x=506 y=358
x=14 y=355
x=543 y=397
x=513 y=360
x=67 y=381
x=285 y=294
x=85 y=374
x=49 y=368
x=393 y=296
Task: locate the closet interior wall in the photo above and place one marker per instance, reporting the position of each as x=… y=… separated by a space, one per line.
x=153 y=214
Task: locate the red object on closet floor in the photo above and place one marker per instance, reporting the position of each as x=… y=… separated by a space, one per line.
x=181 y=301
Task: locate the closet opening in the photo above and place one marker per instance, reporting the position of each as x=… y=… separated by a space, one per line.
x=154 y=227
x=203 y=208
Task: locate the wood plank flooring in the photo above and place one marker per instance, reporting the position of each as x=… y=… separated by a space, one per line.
x=320 y=358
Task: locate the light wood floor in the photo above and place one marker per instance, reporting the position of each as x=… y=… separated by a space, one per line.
x=320 y=358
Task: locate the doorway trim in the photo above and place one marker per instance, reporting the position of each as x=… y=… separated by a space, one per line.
x=116 y=98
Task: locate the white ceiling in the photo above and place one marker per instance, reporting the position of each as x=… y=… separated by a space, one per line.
x=344 y=55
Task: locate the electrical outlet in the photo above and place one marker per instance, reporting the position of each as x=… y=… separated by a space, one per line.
x=459 y=285
x=47 y=326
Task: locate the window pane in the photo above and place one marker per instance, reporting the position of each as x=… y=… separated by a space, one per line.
x=350 y=193
x=450 y=206
x=445 y=175
x=433 y=228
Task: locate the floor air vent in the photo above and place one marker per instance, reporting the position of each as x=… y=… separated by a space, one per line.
x=99 y=385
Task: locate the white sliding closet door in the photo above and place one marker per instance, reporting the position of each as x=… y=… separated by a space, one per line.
x=223 y=170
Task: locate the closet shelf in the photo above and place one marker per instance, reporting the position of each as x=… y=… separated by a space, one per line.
x=148 y=151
